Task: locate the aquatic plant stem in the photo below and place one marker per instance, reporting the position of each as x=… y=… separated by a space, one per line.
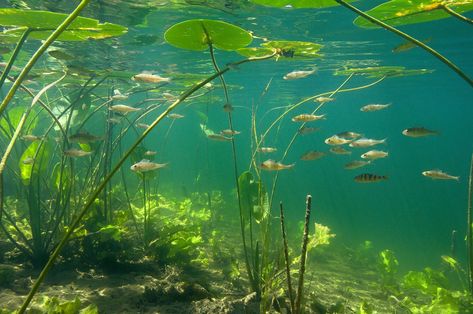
x=252 y=275
x=286 y=258
x=455 y=14
x=15 y=53
x=109 y=176
x=61 y=28
x=469 y=229
x=305 y=240
x=409 y=38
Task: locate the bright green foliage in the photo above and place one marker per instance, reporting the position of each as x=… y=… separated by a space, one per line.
x=41 y=152
x=298 y=4
x=403 y=12
x=365 y=308
x=388 y=267
x=253 y=197
x=198 y=34
x=382 y=71
x=285 y=49
x=443 y=301
x=43 y=22
x=321 y=237
x=427 y=281
x=7 y=126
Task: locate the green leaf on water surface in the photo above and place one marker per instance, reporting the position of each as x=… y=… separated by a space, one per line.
x=40 y=154
x=198 y=34
x=287 y=50
x=403 y=12
x=297 y=4
x=380 y=71
x=44 y=22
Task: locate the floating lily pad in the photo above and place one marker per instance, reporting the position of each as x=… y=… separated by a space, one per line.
x=197 y=34
x=285 y=48
x=298 y=4
x=403 y=12
x=43 y=22
x=378 y=72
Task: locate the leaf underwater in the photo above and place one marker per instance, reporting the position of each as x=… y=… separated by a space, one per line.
x=192 y=35
x=380 y=71
x=41 y=161
x=291 y=50
x=403 y=12
x=297 y=4
x=44 y=22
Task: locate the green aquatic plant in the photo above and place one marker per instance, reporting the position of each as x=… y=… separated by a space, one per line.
x=285 y=49
x=100 y=187
x=388 y=266
x=426 y=281
x=403 y=12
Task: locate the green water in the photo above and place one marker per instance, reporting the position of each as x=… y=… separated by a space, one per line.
x=193 y=217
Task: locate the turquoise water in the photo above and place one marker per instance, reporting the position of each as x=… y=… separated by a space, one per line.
x=409 y=213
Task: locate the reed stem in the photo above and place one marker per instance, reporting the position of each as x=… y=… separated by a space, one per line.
x=469 y=231
x=286 y=257
x=305 y=240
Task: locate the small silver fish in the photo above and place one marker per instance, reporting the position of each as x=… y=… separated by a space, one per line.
x=146 y=165
x=271 y=165
x=307 y=117
x=324 y=99
x=142 y=125
x=297 y=74
x=374 y=107
x=219 y=137
x=123 y=108
x=339 y=150
x=31 y=137
x=307 y=130
x=73 y=152
x=440 y=175
x=336 y=140
x=118 y=96
x=149 y=78
x=84 y=137
x=150 y=153
x=175 y=116
x=312 y=155
x=418 y=132
x=228 y=132
x=267 y=150
x=374 y=154
x=355 y=164
x=349 y=135
x=366 y=142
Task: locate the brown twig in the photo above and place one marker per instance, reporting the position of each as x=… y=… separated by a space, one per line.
x=305 y=240
x=286 y=257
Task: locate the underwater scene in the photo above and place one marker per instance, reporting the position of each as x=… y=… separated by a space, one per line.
x=236 y=156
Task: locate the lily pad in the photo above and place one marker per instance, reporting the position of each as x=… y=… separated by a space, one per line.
x=197 y=34
x=298 y=4
x=43 y=22
x=403 y=12
x=380 y=71
x=286 y=49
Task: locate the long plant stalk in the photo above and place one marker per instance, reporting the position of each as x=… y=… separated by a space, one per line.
x=109 y=176
x=15 y=53
x=455 y=14
x=305 y=240
x=469 y=229
x=61 y=28
x=252 y=272
x=433 y=52
x=286 y=257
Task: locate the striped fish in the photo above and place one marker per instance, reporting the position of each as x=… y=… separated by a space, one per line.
x=368 y=177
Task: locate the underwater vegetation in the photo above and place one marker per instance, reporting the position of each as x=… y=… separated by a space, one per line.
x=91 y=219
